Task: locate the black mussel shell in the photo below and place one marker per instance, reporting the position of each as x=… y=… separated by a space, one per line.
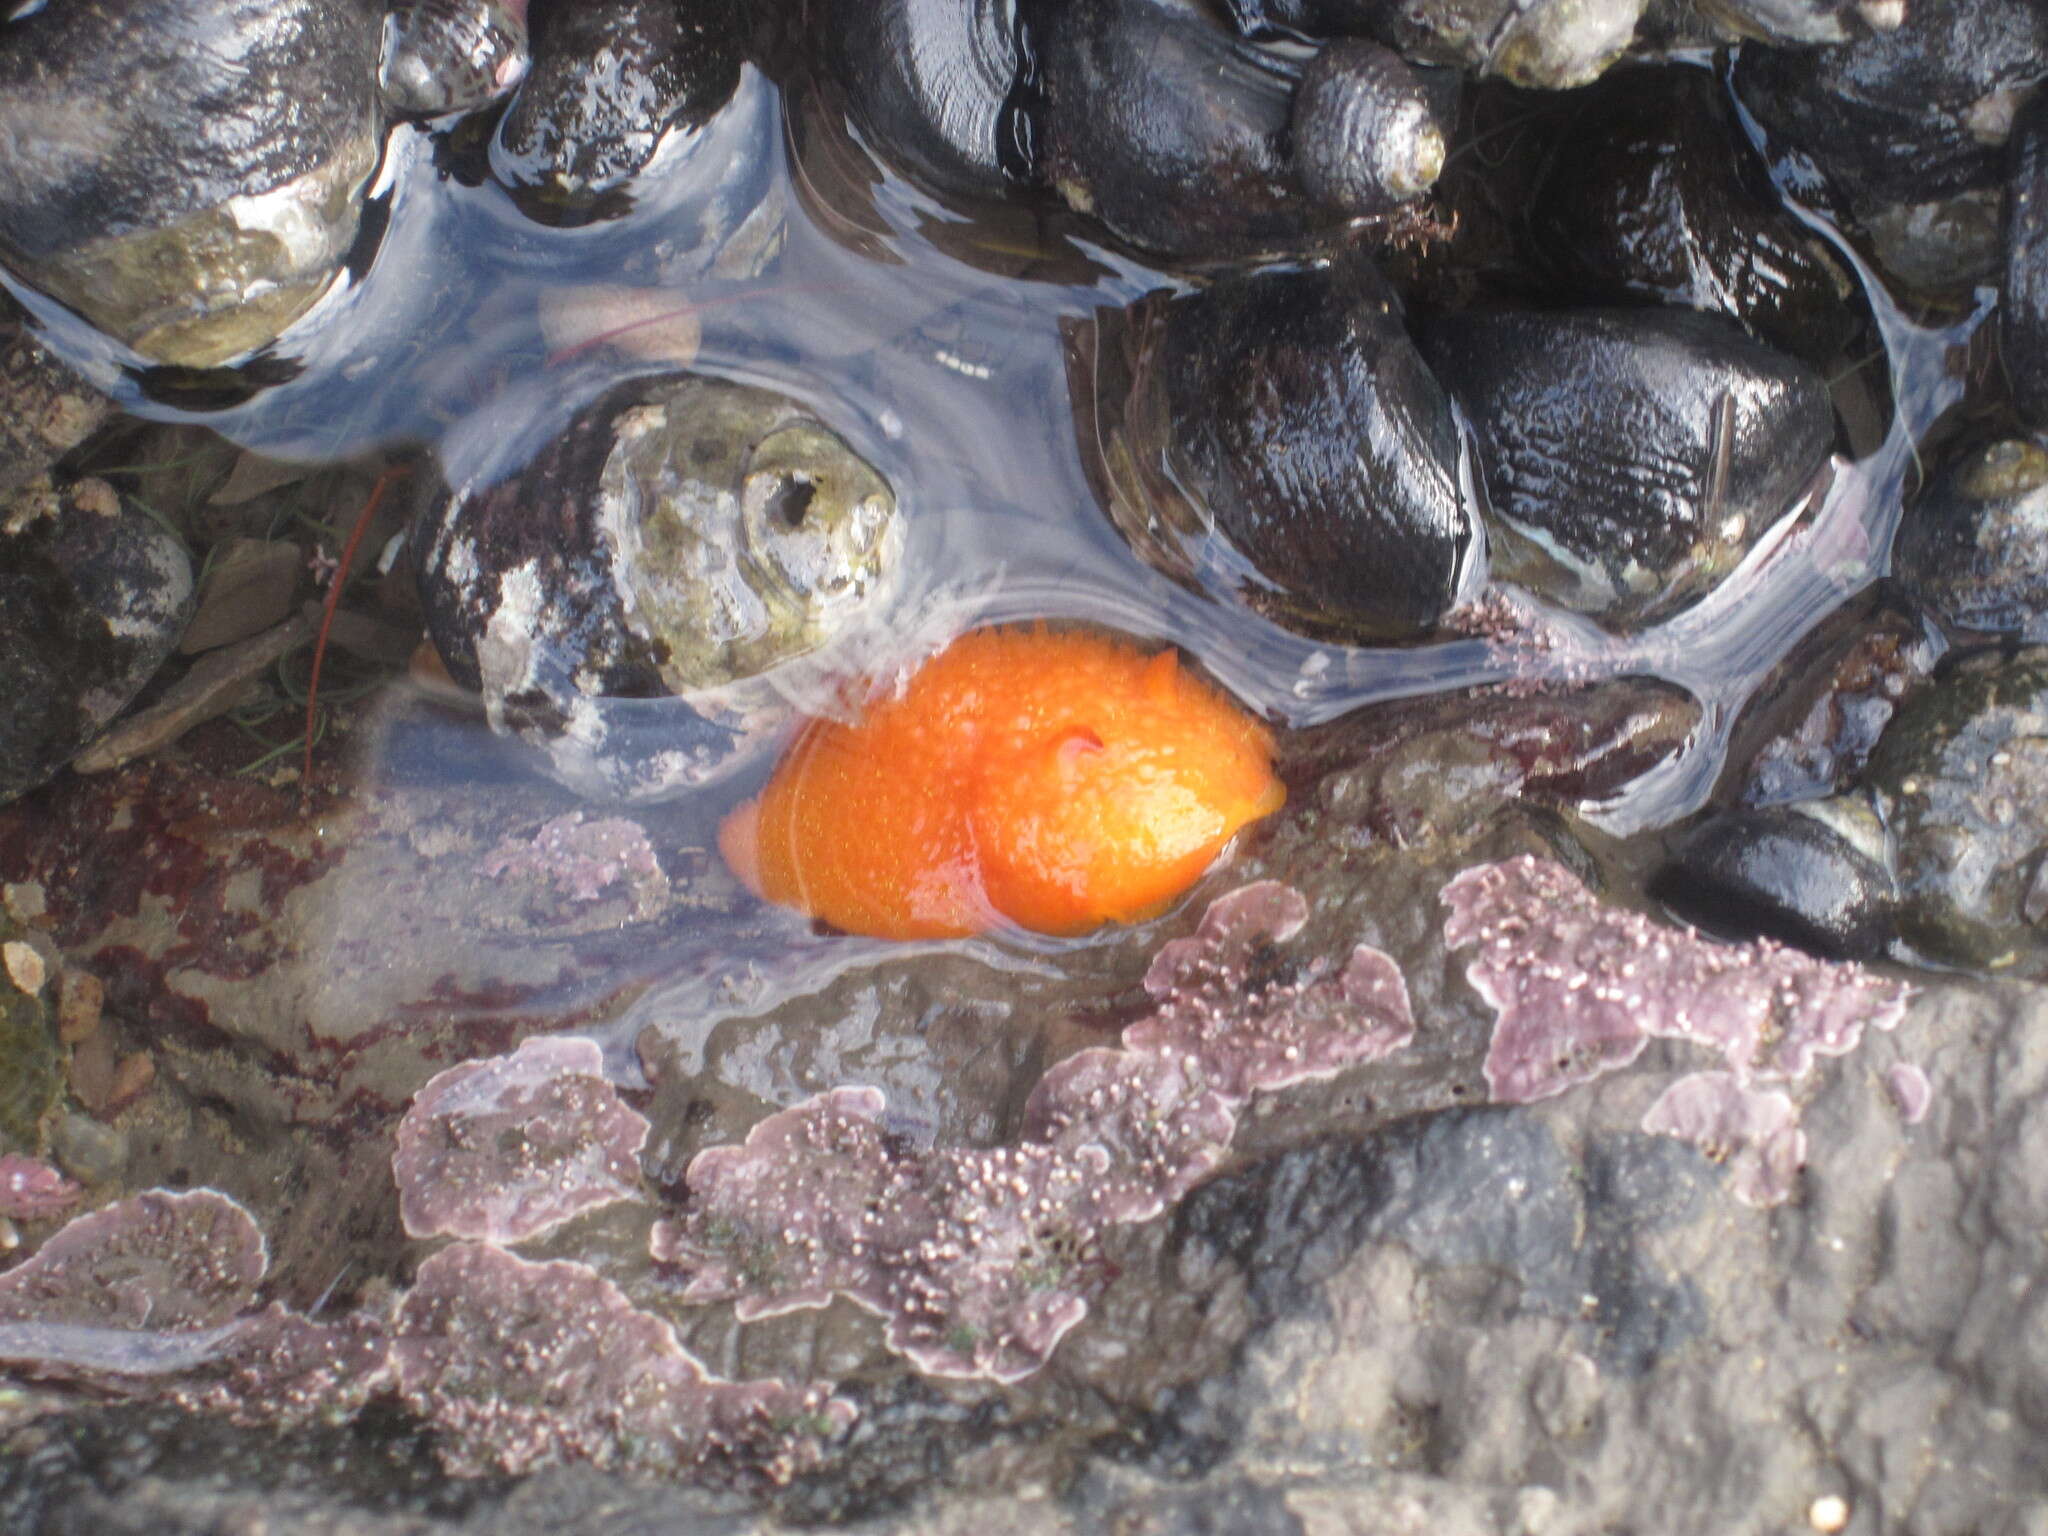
x=1646 y=197
x=937 y=85
x=1908 y=115
x=92 y=601
x=1788 y=873
x=609 y=78
x=1282 y=441
x=1546 y=44
x=1974 y=546
x=1631 y=457
x=2023 y=305
x=1167 y=128
x=445 y=56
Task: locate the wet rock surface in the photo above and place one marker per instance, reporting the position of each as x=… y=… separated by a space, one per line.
x=1975 y=548
x=1958 y=777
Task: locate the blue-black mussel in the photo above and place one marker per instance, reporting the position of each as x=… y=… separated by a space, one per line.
x=1184 y=139
x=937 y=85
x=93 y=596
x=442 y=56
x=1548 y=44
x=2023 y=302
x=1631 y=457
x=1811 y=875
x=1151 y=116
x=1903 y=131
x=610 y=80
x=1647 y=197
x=1276 y=439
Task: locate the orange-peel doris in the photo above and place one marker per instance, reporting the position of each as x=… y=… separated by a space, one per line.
x=1057 y=780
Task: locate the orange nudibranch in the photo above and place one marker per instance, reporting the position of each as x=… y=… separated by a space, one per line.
x=1057 y=780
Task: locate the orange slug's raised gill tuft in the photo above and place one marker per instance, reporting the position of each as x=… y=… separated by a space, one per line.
x=1055 y=780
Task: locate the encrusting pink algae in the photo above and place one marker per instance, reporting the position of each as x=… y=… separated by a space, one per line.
x=982 y=1259
x=1580 y=988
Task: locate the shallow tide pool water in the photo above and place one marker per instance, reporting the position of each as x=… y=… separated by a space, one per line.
x=936 y=341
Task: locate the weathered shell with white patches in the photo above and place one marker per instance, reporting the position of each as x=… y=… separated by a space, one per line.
x=681 y=534
x=1364 y=136
x=444 y=56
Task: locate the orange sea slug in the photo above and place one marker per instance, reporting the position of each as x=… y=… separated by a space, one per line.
x=1056 y=780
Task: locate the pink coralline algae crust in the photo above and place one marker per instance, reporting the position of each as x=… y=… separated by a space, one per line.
x=32 y=1190
x=1756 y=1133
x=1580 y=988
x=1251 y=1031
x=1162 y=1132
x=507 y=1147
x=582 y=859
x=152 y=1296
x=521 y=1365
x=982 y=1259
x=280 y=1367
x=163 y=1261
x=515 y=1364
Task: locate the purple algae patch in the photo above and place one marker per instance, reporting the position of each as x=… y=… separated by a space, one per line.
x=504 y=1148
x=982 y=1259
x=280 y=1367
x=971 y=1255
x=1256 y=1019
x=135 y=1294
x=521 y=1365
x=1580 y=988
x=1754 y=1132
x=33 y=1191
x=1161 y=1134
x=806 y=1206
x=162 y=1261
x=581 y=860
